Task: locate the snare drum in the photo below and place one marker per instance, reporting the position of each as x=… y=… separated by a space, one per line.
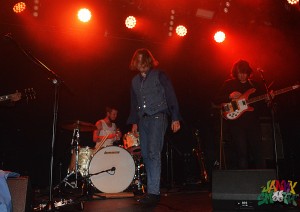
x=103 y=177
x=84 y=157
x=132 y=143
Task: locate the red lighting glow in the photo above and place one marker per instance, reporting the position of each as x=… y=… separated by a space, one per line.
x=19 y=7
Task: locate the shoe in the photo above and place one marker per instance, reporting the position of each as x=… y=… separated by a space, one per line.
x=149 y=199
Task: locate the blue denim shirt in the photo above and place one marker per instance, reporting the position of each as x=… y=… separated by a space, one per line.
x=166 y=91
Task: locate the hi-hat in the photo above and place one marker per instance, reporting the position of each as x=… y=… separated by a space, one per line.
x=80 y=125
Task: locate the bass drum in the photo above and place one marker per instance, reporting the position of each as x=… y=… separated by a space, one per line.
x=112 y=181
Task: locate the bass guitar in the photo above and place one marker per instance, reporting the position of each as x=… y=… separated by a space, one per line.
x=234 y=109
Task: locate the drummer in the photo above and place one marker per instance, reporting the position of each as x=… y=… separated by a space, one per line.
x=107 y=132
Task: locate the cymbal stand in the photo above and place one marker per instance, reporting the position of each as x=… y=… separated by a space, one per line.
x=75 y=142
x=75 y=145
x=199 y=154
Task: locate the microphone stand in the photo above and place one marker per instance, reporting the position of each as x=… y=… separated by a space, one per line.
x=271 y=106
x=222 y=156
x=56 y=80
x=113 y=169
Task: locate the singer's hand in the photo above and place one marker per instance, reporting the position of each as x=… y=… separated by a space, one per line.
x=134 y=129
x=175 y=126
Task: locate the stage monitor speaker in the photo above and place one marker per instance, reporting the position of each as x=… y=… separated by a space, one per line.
x=20 y=193
x=238 y=189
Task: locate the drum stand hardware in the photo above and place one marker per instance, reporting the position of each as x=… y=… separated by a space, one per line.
x=199 y=154
x=76 y=172
x=76 y=126
x=139 y=180
x=75 y=148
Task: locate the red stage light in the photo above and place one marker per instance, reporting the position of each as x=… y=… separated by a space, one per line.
x=181 y=30
x=293 y=2
x=19 y=7
x=84 y=15
x=130 y=22
x=219 y=37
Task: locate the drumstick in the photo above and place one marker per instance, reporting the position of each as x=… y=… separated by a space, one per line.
x=101 y=143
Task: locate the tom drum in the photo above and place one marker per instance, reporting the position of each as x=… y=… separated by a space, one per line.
x=84 y=157
x=132 y=143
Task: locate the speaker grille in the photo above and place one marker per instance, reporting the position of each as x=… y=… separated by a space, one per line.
x=18 y=188
x=240 y=184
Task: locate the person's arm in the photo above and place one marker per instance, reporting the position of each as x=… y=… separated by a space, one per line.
x=171 y=101
x=170 y=97
x=133 y=116
x=97 y=131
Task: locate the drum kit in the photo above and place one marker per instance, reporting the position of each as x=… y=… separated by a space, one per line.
x=111 y=169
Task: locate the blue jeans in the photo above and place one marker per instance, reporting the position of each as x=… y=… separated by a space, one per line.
x=152 y=131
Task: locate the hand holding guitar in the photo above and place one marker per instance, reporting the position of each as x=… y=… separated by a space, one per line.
x=28 y=94
x=235 y=95
x=15 y=96
x=238 y=105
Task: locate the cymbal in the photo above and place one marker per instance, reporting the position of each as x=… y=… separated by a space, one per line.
x=80 y=125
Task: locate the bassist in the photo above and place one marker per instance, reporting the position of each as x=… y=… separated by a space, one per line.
x=245 y=131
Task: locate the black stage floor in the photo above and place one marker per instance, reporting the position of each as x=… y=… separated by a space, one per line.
x=184 y=198
x=196 y=197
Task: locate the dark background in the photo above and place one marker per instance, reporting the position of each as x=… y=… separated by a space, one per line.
x=92 y=59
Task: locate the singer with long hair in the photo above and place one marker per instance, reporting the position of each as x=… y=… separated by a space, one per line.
x=152 y=100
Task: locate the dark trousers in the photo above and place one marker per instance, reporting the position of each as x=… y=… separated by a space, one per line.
x=247 y=141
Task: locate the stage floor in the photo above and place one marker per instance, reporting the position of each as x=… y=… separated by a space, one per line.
x=184 y=198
